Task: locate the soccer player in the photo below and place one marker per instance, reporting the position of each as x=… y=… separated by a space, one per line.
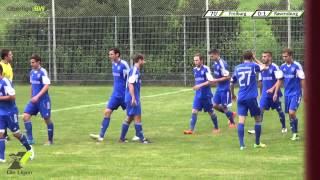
x=293 y=78
x=245 y=76
x=203 y=94
x=6 y=60
x=9 y=117
x=222 y=97
x=270 y=95
x=40 y=99
x=120 y=69
x=132 y=100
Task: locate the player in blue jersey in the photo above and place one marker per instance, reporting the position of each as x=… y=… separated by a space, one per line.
x=9 y=118
x=203 y=95
x=222 y=97
x=270 y=95
x=132 y=100
x=245 y=76
x=40 y=99
x=293 y=80
x=120 y=69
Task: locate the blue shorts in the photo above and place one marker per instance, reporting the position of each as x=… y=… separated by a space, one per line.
x=248 y=104
x=267 y=103
x=292 y=102
x=133 y=110
x=205 y=104
x=223 y=98
x=43 y=106
x=115 y=102
x=9 y=121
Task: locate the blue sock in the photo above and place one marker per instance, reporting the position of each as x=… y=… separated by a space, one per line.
x=2 y=148
x=23 y=140
x=104 y=126
x=214 y=120
x=50 y=128
x=124 y=130
x=193 y=121
x=28 y=127
x=295 y=122
x=241 y=134
x=282 y=117
x=257 y=128
x=292 y=126
x=229 y=115
x=139 y=131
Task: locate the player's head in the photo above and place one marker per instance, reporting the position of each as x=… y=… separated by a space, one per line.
x=266 y=57
x=138 y=60
x=198 y=60
x=35 y=61
x=214 y=54
x=247 y=55
x=287 y=55
x=6 y=54
x=114 y=54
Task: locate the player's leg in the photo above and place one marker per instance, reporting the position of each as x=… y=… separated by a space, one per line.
x=13 y=125
x=221 y=101
x=2 y=139
x=193 y=121
x=124 y=129
x=45 y=111
x=30 y=109
x=196 y=106
x=277 y=106
x=139 y=130
x=293 y=107
x=208 y=107
x=255 y=112
x=242 y=113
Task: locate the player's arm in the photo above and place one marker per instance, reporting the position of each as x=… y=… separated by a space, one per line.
x=132 y=79
x=301 y=76
x=10 y=94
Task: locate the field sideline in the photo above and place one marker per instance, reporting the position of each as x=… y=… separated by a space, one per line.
x=77 y=111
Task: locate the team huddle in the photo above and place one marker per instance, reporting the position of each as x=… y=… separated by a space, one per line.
x=271 y=77
x=126 y=93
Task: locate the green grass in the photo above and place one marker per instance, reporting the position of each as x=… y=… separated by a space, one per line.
x=172 y=155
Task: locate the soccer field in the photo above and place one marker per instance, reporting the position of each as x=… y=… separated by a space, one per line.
x=77 y=111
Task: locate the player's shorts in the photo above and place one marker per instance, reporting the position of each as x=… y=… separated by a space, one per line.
x=115 y=102
x=43 y=106
x=223 y=98
x=133 y=110
x=248 y=104
x=205 y=104
x=292 y=102
x=267 y=103
x=9 y=121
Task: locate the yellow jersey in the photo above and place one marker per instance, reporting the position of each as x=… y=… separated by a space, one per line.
x=7 y=70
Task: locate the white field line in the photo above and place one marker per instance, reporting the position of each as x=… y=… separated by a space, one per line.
x=103 y=103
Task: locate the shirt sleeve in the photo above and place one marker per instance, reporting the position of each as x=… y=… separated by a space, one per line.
x=9 y=89
x=234 y=79
x=45 y=78
x=260 y=77
x=133 y=77
x=208 y=74
x=300 y=73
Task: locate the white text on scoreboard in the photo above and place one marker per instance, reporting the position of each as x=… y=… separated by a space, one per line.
x=253 y=14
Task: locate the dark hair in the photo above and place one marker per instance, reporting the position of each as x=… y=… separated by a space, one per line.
x=4 y=53
x=1 y=69
x=115 y=50
x=288 y=50
x=137 y=57
x=200 y=56
x=267 y=52
x=36 y=57
x=247 y=55
x=214 y=51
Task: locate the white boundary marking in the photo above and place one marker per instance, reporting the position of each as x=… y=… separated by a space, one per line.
x=99 y=104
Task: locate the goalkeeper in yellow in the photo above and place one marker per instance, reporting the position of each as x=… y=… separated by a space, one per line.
x=6 y=60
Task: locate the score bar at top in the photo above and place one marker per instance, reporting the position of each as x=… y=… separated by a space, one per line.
x=253 y=14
